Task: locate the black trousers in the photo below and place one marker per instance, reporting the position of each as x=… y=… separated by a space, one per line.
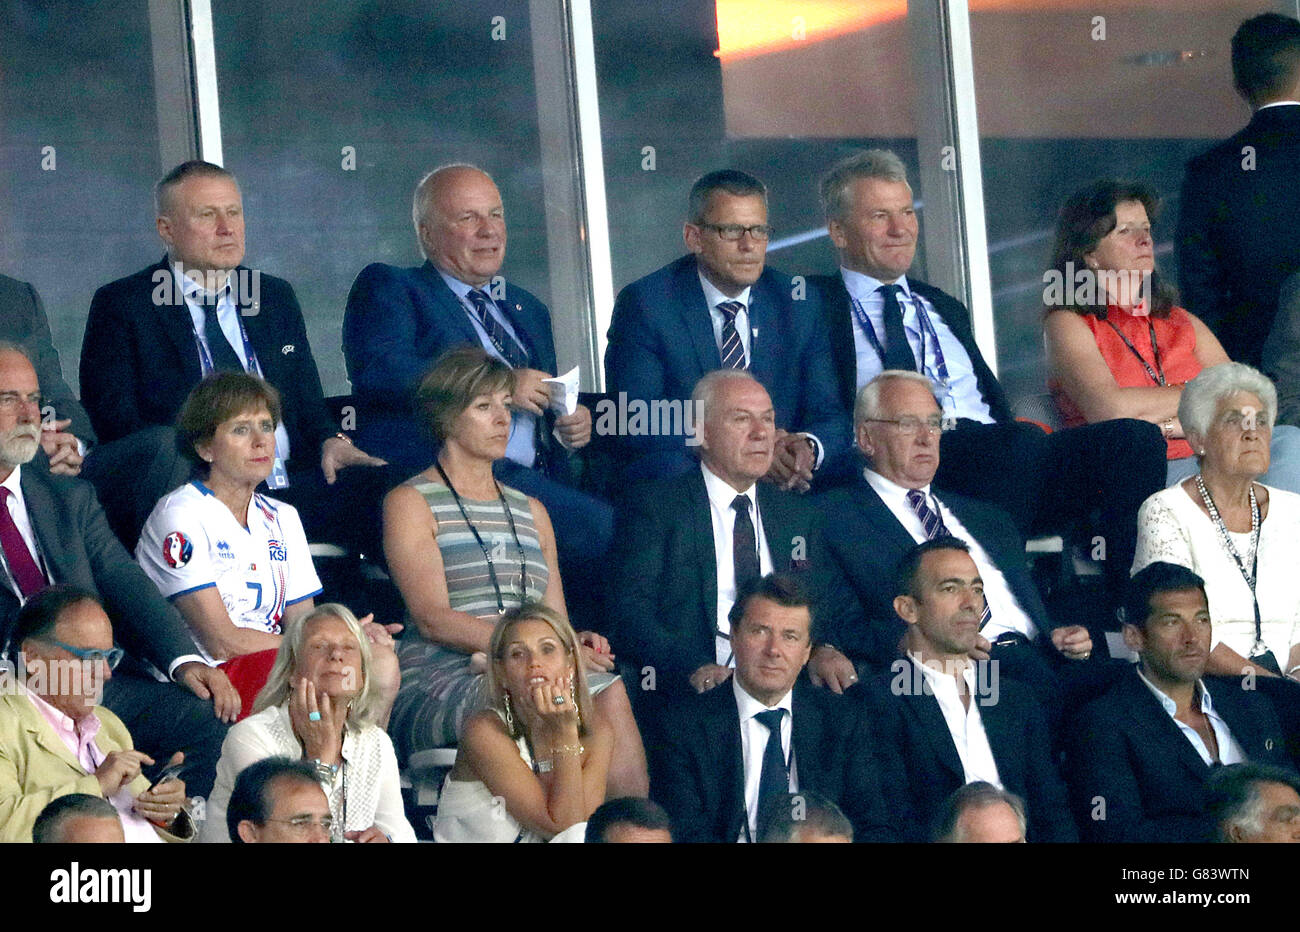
x=1051 y=483
x=164 y=718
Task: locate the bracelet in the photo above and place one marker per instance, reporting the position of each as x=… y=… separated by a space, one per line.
x=324 y=772
x=566 y=750
x=345 y=438
x=1168 y=428
x=1293 y=669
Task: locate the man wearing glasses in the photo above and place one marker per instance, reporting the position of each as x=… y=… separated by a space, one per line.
x=278 y=801
x=869 y=526
x=719 y=308
x=56 y=739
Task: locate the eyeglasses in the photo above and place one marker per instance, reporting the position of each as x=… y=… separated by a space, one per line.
x=909 y=424
x=10 y=401
x=300 y=825
x=112 y=656
x=731 y=232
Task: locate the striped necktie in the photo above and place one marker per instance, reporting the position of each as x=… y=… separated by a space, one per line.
x=510 y=349
x=733 y=350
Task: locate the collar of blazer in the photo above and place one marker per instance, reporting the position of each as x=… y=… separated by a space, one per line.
x=31 y=721
x=455 y=312
x=696 y=321
x=1156 y=729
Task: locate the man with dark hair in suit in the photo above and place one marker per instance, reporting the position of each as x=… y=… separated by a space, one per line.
x=52 y=530
x=880 y=319
x=278 y=801
x=686 y=545
x=730 y=751
x=952 y=721
x=152 y=336
x=1239 y=217
x=1142 y=752
x=399 y=321
x=866 y=528
x=719 y=307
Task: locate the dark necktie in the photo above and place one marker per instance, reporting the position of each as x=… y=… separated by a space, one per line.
x=933 y=526
x=224 y=357
x=733 y=350
x=744 y=543
x=22 y=565
x=898 y=354
x=514 y=354
x=775 y=777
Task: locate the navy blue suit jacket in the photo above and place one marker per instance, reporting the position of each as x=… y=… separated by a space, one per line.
x=860 y=543
x=139 y=360
x=661 y=343
x=1126 y=752
x=397 y=323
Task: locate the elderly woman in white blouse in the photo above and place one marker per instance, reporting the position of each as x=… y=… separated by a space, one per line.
x=320 y=704
x=1241 y=536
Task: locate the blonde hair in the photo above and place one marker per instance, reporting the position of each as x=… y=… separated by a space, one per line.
x=364 y=707
x=536 y=611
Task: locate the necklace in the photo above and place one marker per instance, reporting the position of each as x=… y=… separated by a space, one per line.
x=487 y=554
x=1225 y=539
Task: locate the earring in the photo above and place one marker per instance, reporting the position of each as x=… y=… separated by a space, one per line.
x=510 y=719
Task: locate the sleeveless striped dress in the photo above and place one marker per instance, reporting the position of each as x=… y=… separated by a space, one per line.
x=438 y=692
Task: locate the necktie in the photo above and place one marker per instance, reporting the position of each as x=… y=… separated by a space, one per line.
x=22 y=565
x=733 y=350
x=898 y=354
x=224 y=357
x=933 y=526
x=744 y=543
x=514 y=354
x=775 y=778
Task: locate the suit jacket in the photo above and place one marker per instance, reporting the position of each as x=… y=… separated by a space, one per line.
x=139 y=360
x=661 y=343
x=36 y=767
x=860 y=544
x=397 y=323
x=1127 y=754
x=1239 y=230
x=697 y=773
x=663 y=605
x=79 y=548
x=23 y=321
x=1281 y=355
x=837 y=307
x=911 y=722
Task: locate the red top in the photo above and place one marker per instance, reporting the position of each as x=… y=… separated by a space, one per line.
x=1176 y=340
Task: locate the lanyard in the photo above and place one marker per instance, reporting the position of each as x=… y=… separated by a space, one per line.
x=1248 y=576
x=926 y=327
x=1157 y=374
x=492 y=573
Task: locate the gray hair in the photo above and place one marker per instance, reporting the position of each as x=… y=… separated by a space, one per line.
x=972 y=796
x=1233 y=797
x=1203 y=394
x=707 y=388
x=364 y=709
x=9 y=346
x=867 y=404
x=873 y=163
x=422 y=199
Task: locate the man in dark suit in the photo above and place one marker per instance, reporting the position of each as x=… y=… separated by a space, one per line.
x=399 y=321
x=1142 y=753
x=678 y=555
x=880 y=319
x=1239 y=218
x=951 y=720
x=866 y=528
x=150 y=338
x=52 y=530
x=728 y=751
x=718 y=307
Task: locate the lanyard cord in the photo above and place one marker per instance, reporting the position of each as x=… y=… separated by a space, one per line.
x=492 y=573
x=1157 y=374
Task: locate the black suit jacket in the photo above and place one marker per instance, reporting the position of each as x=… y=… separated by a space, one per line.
x=663 y=605
x=23 y=321
x=697 y=772
x=1239 y=230
x=911 y=722
x=1127 y=755
x=79 y=548
x=859 y=544
x=139 y=360
x=837 y=307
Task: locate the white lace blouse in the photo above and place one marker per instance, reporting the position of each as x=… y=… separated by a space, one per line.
x=373 y=785
x=1172 y=528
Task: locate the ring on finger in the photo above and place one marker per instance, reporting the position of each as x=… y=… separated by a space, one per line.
x=558 y=700
x=313 y=717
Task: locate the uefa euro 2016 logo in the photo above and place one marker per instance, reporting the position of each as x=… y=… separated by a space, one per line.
x=177 y=549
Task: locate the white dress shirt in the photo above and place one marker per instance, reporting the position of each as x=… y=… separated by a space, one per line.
x=1230 y=751
x=961 y=396
x=753 y=743
x=1006 y=615
x=715 y=297
x=723 y=518
x=18 y=511
x=964 y=723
